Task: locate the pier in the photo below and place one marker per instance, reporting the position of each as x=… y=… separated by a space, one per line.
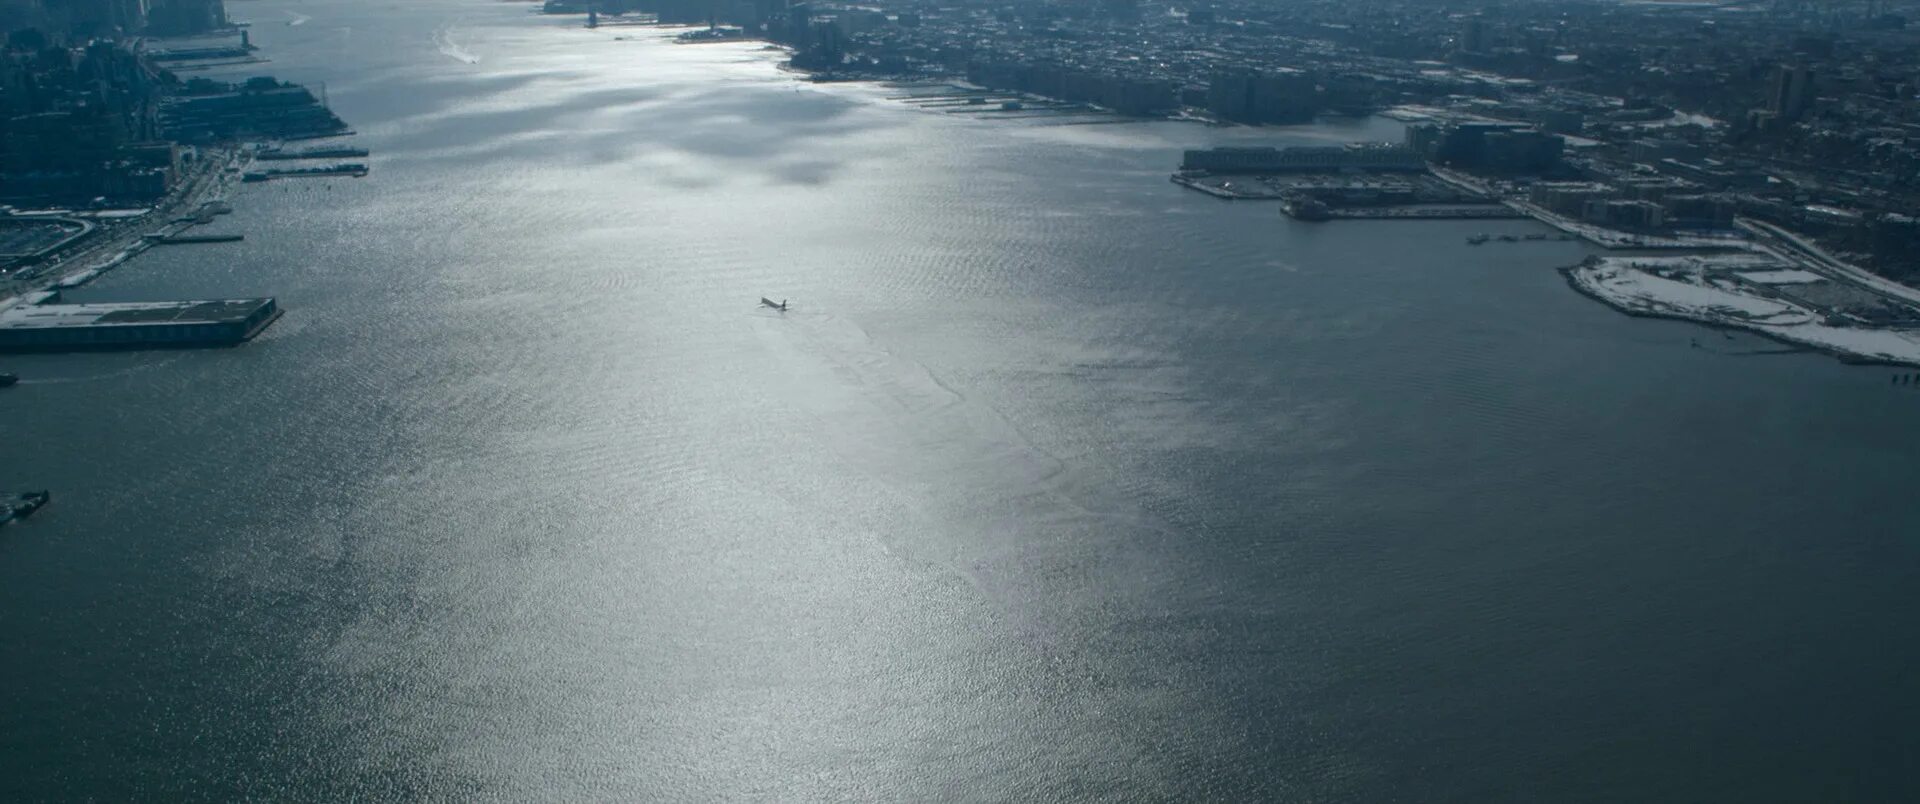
x=1484 y=237
x=180 y=239
x=38 y=323
x=352 y=169
x=277 y=155
x=1480 y=212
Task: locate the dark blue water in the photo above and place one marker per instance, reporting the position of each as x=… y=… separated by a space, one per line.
x=1058 y=481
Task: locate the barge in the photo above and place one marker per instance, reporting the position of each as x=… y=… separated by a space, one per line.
x=20 y=506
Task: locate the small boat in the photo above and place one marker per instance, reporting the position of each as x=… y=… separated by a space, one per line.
x=766 y=302
x=21 y=506
x=7 y=379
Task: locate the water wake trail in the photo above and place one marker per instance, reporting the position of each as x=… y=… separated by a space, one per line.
x=452 y=48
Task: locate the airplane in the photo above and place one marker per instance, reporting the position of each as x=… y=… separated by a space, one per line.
x=766 y=302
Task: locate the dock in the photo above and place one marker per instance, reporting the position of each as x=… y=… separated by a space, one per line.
x=355 y=170
x=179 y=239
x=39 y=323
x=1478 y=212
x=278 y=155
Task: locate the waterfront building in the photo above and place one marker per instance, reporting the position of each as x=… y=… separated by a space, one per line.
x=1630 y=215
x=41 y=324
x=1704 y=211
x=1525 y=150
x=1500 y=146
x=1567 y=197
x=1263 y=96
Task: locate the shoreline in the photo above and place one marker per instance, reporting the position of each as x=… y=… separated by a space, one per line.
x=1763 y=245
x=1801 y=329
x=195 y=202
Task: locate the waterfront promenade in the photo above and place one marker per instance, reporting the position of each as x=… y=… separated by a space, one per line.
x=113 y=241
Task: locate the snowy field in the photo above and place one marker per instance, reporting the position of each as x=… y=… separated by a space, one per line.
x=1735 y=290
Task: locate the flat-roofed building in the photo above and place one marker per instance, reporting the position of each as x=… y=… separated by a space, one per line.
x=50 y=327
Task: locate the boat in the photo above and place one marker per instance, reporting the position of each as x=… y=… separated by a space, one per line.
x=766 y=302
x=1478 y=239
x=1301 y=208
x=7 y=379
x=21 y=506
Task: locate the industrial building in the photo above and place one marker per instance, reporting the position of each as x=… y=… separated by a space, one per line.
x=38 y=323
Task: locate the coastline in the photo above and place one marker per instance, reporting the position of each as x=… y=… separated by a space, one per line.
x=1811 y=328
x=1660 y=288
x=195 y=202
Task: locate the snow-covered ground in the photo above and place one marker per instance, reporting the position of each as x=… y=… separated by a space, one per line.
x=1680 y=119
x=1661 y=294
x=1702 y=288
x=1782 y=277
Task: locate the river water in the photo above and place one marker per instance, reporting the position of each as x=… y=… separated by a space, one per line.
x=1057 y=482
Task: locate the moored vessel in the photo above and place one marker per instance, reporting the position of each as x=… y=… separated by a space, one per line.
x=21 y=506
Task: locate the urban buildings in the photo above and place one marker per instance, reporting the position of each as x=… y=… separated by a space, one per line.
x=1669 y=115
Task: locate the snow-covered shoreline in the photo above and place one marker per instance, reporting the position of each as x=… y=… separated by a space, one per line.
x=1739 y=291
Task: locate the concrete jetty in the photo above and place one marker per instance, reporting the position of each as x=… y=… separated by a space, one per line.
x=38 y=323
x=180 y=239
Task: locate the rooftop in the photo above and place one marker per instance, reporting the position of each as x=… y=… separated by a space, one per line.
x=50 y=316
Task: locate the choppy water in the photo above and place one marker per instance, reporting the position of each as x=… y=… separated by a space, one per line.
x=1058 y=482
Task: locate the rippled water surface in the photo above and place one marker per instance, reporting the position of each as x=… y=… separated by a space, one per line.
x=1058 y=481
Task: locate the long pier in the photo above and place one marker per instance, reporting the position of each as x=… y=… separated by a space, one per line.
x=312 y=153
x=1483 y=212
x=39 y=323
x=175 y=240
